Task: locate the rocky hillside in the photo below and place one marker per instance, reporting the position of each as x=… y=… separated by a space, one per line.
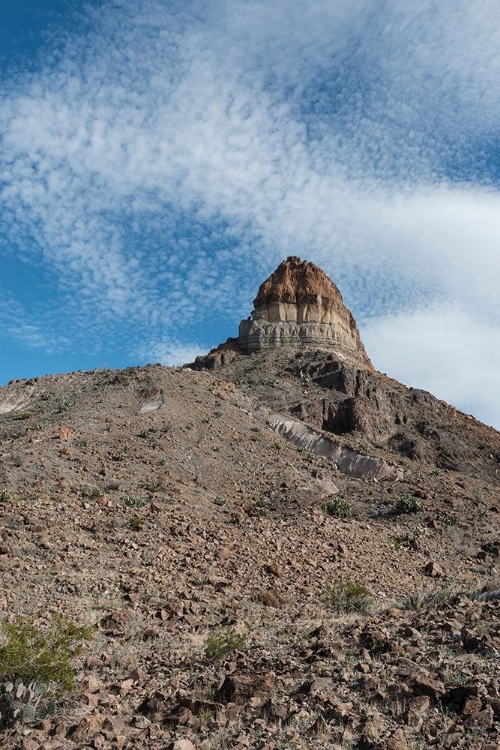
x=259 y=554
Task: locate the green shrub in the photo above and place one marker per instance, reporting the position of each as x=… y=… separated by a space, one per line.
x=147 y=433
x=4 y=496
x=35 y=667
x=412 y=539
x=219 y=646
x=134 y=501
x=349 y=596
x=136 y=523
x=36 y=427
x=32 y=656
x=261 y=507
x=407 y=504
x=337 y=506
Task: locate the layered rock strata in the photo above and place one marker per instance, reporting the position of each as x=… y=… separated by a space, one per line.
x=298 y=306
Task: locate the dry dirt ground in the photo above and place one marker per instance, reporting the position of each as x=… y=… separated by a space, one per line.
x=241 y=592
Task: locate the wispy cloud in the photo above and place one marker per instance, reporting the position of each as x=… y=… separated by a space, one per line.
x=161 y=159
x=446 y=351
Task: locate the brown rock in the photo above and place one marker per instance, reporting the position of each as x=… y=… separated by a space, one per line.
x=268 y=598
x=420 y=704
x=138 y=675
x=239 y=687
x=434 y=570
x=317 y=686
x=181 y=745
x=373 y=728
x=423 y=685
x=126 y=686
x=274 y=570
x=397 y=741
x=86 y=728
x=481 y=719
x=473 y=705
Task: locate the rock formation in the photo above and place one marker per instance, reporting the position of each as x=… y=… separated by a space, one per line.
x=308 y=365
x=299 y=306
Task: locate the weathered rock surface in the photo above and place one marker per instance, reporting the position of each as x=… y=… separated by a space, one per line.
x=349 y=462
x=278 y=552
x=167 y=530
x=307 y=363
x=299 y=306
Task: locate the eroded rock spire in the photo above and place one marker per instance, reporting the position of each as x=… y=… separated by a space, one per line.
x=299 y=306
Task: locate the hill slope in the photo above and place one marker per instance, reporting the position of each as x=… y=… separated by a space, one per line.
x=242 y=590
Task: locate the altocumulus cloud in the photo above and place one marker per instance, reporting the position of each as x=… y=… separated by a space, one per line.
x=158 y=162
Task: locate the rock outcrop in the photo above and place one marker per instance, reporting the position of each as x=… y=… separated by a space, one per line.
x=309 y=366
x=299 y=306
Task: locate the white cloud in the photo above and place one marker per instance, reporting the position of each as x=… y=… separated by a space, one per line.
x=171 y=353
x=442 y=350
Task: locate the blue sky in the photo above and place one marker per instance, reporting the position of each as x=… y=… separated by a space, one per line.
x=159 y=159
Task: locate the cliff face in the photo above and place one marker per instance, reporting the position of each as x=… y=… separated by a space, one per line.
x=298 y=306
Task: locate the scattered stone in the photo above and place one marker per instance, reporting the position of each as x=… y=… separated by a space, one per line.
x=181 y=745
x=239 y=687
x=434 y=570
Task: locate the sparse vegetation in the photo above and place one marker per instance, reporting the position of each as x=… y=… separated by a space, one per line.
x=36 y=427
x=136 y=523
x=349 y=596
x=427 y=599
x=450 y=519
x=147 y=433
x=407 y=504
x=337 y=506
x=170 y=563
x=35 y=667
x=412 y=539
x=134 y=501
x=221 y=645
x=262 y=506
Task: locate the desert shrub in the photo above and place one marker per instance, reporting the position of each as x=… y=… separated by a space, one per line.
x=221 y=645
x=36 y=427
x=134 y=501
x=261 y=507
x=407 y=504
x=4 y=496
x=136 y=523
x=147 y=433
x=412 y=540
x=450 y=519
x=350 y=596
x=337 y=506
x=427 y=599
x=35 y=667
